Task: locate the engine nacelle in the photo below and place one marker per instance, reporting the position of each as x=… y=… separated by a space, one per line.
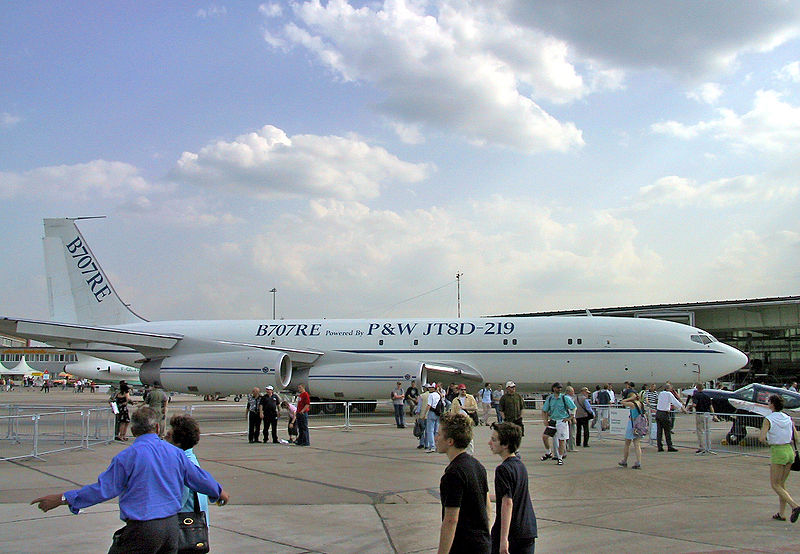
x=219 y=372
x=362 y=380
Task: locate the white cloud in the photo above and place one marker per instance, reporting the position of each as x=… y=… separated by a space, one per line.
x=270 y=10
x=773 y=125
x=8 y=120
x=459 y=66
x=708 y=93
x=789 y=72
x=98 y=179
x=269 y=163
x=512 y=247
x=684 y=39
x=743 y=189
x=211 y=11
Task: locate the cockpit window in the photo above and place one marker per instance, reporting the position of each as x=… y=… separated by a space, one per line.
x=703 y=339
x=696 y=338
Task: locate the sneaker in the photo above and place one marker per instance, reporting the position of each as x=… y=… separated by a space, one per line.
x=636 y=466
x=622 y=464
x=547 y=456
x=430 y=451
x=420 y=447
x=559 y=462
x=795 y=514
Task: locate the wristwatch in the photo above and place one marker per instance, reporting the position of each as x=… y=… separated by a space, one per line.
x=64 y=499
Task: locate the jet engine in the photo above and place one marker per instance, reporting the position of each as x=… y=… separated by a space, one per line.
x=219 y=372
x=362 y=380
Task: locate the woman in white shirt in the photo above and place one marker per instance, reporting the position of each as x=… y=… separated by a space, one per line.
x=778 y=431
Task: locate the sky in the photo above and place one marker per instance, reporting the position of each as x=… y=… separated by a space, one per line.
x=356 y=156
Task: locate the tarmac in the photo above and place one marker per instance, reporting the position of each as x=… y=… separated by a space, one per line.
x=369 y=489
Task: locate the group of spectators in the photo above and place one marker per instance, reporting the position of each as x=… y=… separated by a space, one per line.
x=267 y=408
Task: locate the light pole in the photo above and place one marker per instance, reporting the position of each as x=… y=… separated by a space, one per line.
x=273 y=291
x=458 y=287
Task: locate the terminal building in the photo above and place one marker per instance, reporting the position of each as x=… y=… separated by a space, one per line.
x=766 y=329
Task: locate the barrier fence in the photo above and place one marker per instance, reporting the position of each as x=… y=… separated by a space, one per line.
x=32 y=431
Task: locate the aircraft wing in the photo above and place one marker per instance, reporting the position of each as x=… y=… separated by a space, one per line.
x=149 y=344
x=759 y=409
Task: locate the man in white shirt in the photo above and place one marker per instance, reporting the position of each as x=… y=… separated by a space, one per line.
x=431 y=417
x=666 y=401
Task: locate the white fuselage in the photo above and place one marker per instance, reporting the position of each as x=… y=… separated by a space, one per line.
x=531 y=351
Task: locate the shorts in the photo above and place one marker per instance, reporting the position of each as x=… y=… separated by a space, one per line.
x=781 y=454
x=562 y=430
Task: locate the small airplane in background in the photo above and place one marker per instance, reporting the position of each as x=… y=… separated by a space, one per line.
x=355 y=359
x=747 y=406
x=102 y=371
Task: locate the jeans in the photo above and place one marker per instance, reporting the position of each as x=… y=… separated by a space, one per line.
x=496 y=406
x=302 y=429
x=431 y=427
x=399 y=416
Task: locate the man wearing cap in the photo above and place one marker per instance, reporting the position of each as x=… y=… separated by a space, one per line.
x=398 y=401
x=511 y=405
x=465 y=403
x=431 y=417
x=269 y=410
x=420 y=410
x=558 y=407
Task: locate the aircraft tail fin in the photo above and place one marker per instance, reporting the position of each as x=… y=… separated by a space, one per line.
x=78 y=289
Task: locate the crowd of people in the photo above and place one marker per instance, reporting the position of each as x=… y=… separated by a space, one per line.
x=266 y=409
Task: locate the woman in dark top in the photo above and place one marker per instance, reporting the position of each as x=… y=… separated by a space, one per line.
x=122 y=399
x=514 y=530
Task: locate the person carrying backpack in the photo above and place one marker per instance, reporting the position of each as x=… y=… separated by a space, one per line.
x=603 y=401
x=635 y=430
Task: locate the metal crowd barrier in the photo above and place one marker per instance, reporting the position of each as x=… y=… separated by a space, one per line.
x=730 y=433
x=31 y=431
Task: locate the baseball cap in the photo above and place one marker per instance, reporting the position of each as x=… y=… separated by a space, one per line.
x=269 y=387
x=462 y=386
x=510 y=384
x=556 y=385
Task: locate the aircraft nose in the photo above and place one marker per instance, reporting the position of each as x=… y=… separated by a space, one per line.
x=736 y=357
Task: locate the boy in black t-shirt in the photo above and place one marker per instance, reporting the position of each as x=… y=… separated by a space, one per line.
x=514 y=528
x=464 y=490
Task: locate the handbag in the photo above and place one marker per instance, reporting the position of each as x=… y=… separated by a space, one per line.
x=550 y=430
x=193 y=530
x=796 y=462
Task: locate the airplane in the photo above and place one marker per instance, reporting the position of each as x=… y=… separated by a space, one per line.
x=102 y=371
x=747 y=406
x=355 y=359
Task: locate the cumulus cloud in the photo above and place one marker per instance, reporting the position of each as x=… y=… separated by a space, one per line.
x=790 y=72
x=513 y=247
x=269 y=163
x=461 y=67
x=758 y=263
x=693 y=41
x=98 y=179
x=743 y=189
x=773 y=125
x=211 y=11
x=707 y=93
x=8 y=120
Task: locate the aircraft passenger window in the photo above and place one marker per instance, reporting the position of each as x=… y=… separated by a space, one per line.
x=580 y=341
x=505 y=342
x=380 y=342
x=416 y=342
x=513 y=341
x=569 y=341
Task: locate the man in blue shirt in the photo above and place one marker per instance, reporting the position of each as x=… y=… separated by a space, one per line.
x=148 y=477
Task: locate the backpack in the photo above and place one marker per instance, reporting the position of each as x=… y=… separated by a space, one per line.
x=639 y=424
x=439 y=408
x=603 y=398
